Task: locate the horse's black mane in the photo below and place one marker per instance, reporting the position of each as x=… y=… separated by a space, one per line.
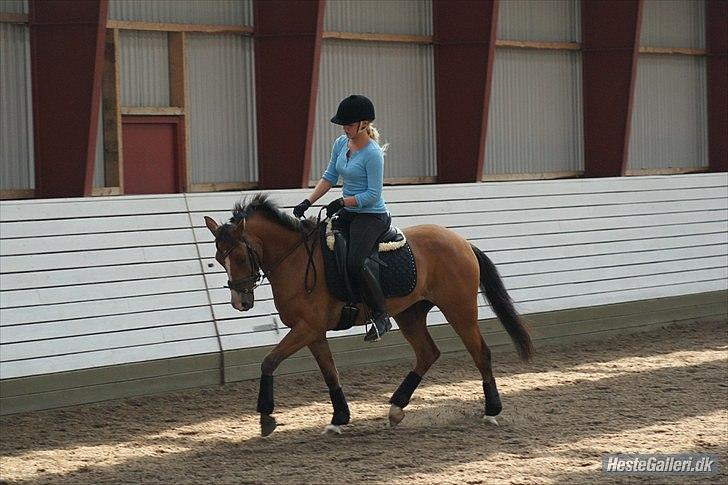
x=262 y=204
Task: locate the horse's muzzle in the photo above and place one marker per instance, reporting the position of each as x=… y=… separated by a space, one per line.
x=244 y=302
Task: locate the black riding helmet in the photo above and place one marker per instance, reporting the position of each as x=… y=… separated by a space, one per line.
x=352 y=109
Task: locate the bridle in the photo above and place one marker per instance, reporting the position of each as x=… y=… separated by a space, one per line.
x=248 y=284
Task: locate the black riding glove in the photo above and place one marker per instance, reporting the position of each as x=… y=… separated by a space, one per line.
x=334 y=206
x=301 y=208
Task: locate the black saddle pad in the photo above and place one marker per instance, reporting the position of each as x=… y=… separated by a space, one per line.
x=397 y=278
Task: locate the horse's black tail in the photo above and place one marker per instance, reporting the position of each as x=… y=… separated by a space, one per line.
x=500 y=301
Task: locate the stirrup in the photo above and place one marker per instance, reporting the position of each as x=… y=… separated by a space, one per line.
x=374 y=334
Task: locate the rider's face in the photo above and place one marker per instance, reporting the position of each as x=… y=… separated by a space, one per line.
x=353 y=129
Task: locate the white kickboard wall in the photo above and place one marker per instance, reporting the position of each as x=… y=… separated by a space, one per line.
x=101 y=281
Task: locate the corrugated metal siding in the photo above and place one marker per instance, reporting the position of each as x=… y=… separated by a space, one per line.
x=99 y=178
x=542 y=20
x=413 y=17
x=673 y=23
x=399 y=80
x=144 y=68
x=669 y=121
x=221 y=12
x=535 y=122
x=221 y=107
x=16 y=125
x=14 y=6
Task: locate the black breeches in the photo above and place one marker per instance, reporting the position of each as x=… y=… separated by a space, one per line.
x=364 y=229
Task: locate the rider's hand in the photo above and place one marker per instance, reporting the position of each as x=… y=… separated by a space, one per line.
x=301 y=208
x=334 y=206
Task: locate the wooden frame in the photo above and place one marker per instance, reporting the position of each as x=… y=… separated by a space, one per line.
x=110 y=91
x=9 y=194
x=664 y=171
x=14 y=18
x=672 y=51
x=498 y=177
x=172 y=27
x=221 y=186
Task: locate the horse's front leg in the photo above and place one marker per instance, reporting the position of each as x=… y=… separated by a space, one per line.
x=322 y=353
x=300 y=336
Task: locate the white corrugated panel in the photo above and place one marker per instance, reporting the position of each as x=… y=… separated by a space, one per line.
x=221 y=107
x=534 y=120
x=16 y=125
x=669 y=119
x=673 y=23
x=144 y=68
x=413 y=17
x=220 y=12
x=398 y=78
x=14 y=6
x=542 y=20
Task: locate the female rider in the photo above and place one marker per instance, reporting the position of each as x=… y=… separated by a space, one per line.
x=358 y=159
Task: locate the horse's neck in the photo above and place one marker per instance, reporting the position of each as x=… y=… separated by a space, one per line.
x=276 y=241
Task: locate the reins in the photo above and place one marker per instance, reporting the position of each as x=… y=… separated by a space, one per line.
x=256 y=278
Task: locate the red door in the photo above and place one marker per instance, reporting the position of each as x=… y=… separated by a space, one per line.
x=152 y=148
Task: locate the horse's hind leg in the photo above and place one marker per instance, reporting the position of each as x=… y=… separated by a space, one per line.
x=322 y=353
x=464 y=319
x=413 y=325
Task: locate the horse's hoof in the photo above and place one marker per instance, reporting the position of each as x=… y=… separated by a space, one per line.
x=331 y=429
x=267 y=424
x=396 y=415
x=490 y=419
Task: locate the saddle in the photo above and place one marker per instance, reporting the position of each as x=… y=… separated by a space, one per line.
x=390 y=261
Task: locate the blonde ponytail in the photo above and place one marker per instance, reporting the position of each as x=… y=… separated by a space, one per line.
x=374 y=135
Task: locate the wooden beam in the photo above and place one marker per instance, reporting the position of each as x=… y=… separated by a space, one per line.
x=177 y=69
x=171 y=27
x=373 y=37
x=105 y=191
x=498 y=177
x=178 y=94
x=110 y=90
x=222 y=186
x=152 y=110
x=672 y=50
x=17 y=194
x=527 y=44
x=14 y=18
x=665 y=171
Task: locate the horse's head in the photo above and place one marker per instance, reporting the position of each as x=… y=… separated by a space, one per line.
x=241 y=259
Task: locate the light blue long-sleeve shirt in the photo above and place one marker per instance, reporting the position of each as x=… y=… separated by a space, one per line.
x=362 y=173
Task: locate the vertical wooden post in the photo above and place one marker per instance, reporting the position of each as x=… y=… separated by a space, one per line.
x=113 y=152
x=464 y=35
x=178 y=98
x=610 y=32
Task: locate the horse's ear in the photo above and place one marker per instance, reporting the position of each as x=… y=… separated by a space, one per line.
x=211 y=225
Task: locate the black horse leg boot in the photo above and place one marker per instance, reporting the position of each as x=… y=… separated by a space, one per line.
x=372 y=293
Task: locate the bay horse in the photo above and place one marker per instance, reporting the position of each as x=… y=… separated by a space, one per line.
x=262 y=238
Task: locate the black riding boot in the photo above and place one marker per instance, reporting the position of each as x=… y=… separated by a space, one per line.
x=372 y=293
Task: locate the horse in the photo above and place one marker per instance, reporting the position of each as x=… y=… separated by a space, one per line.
x=260 y=240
